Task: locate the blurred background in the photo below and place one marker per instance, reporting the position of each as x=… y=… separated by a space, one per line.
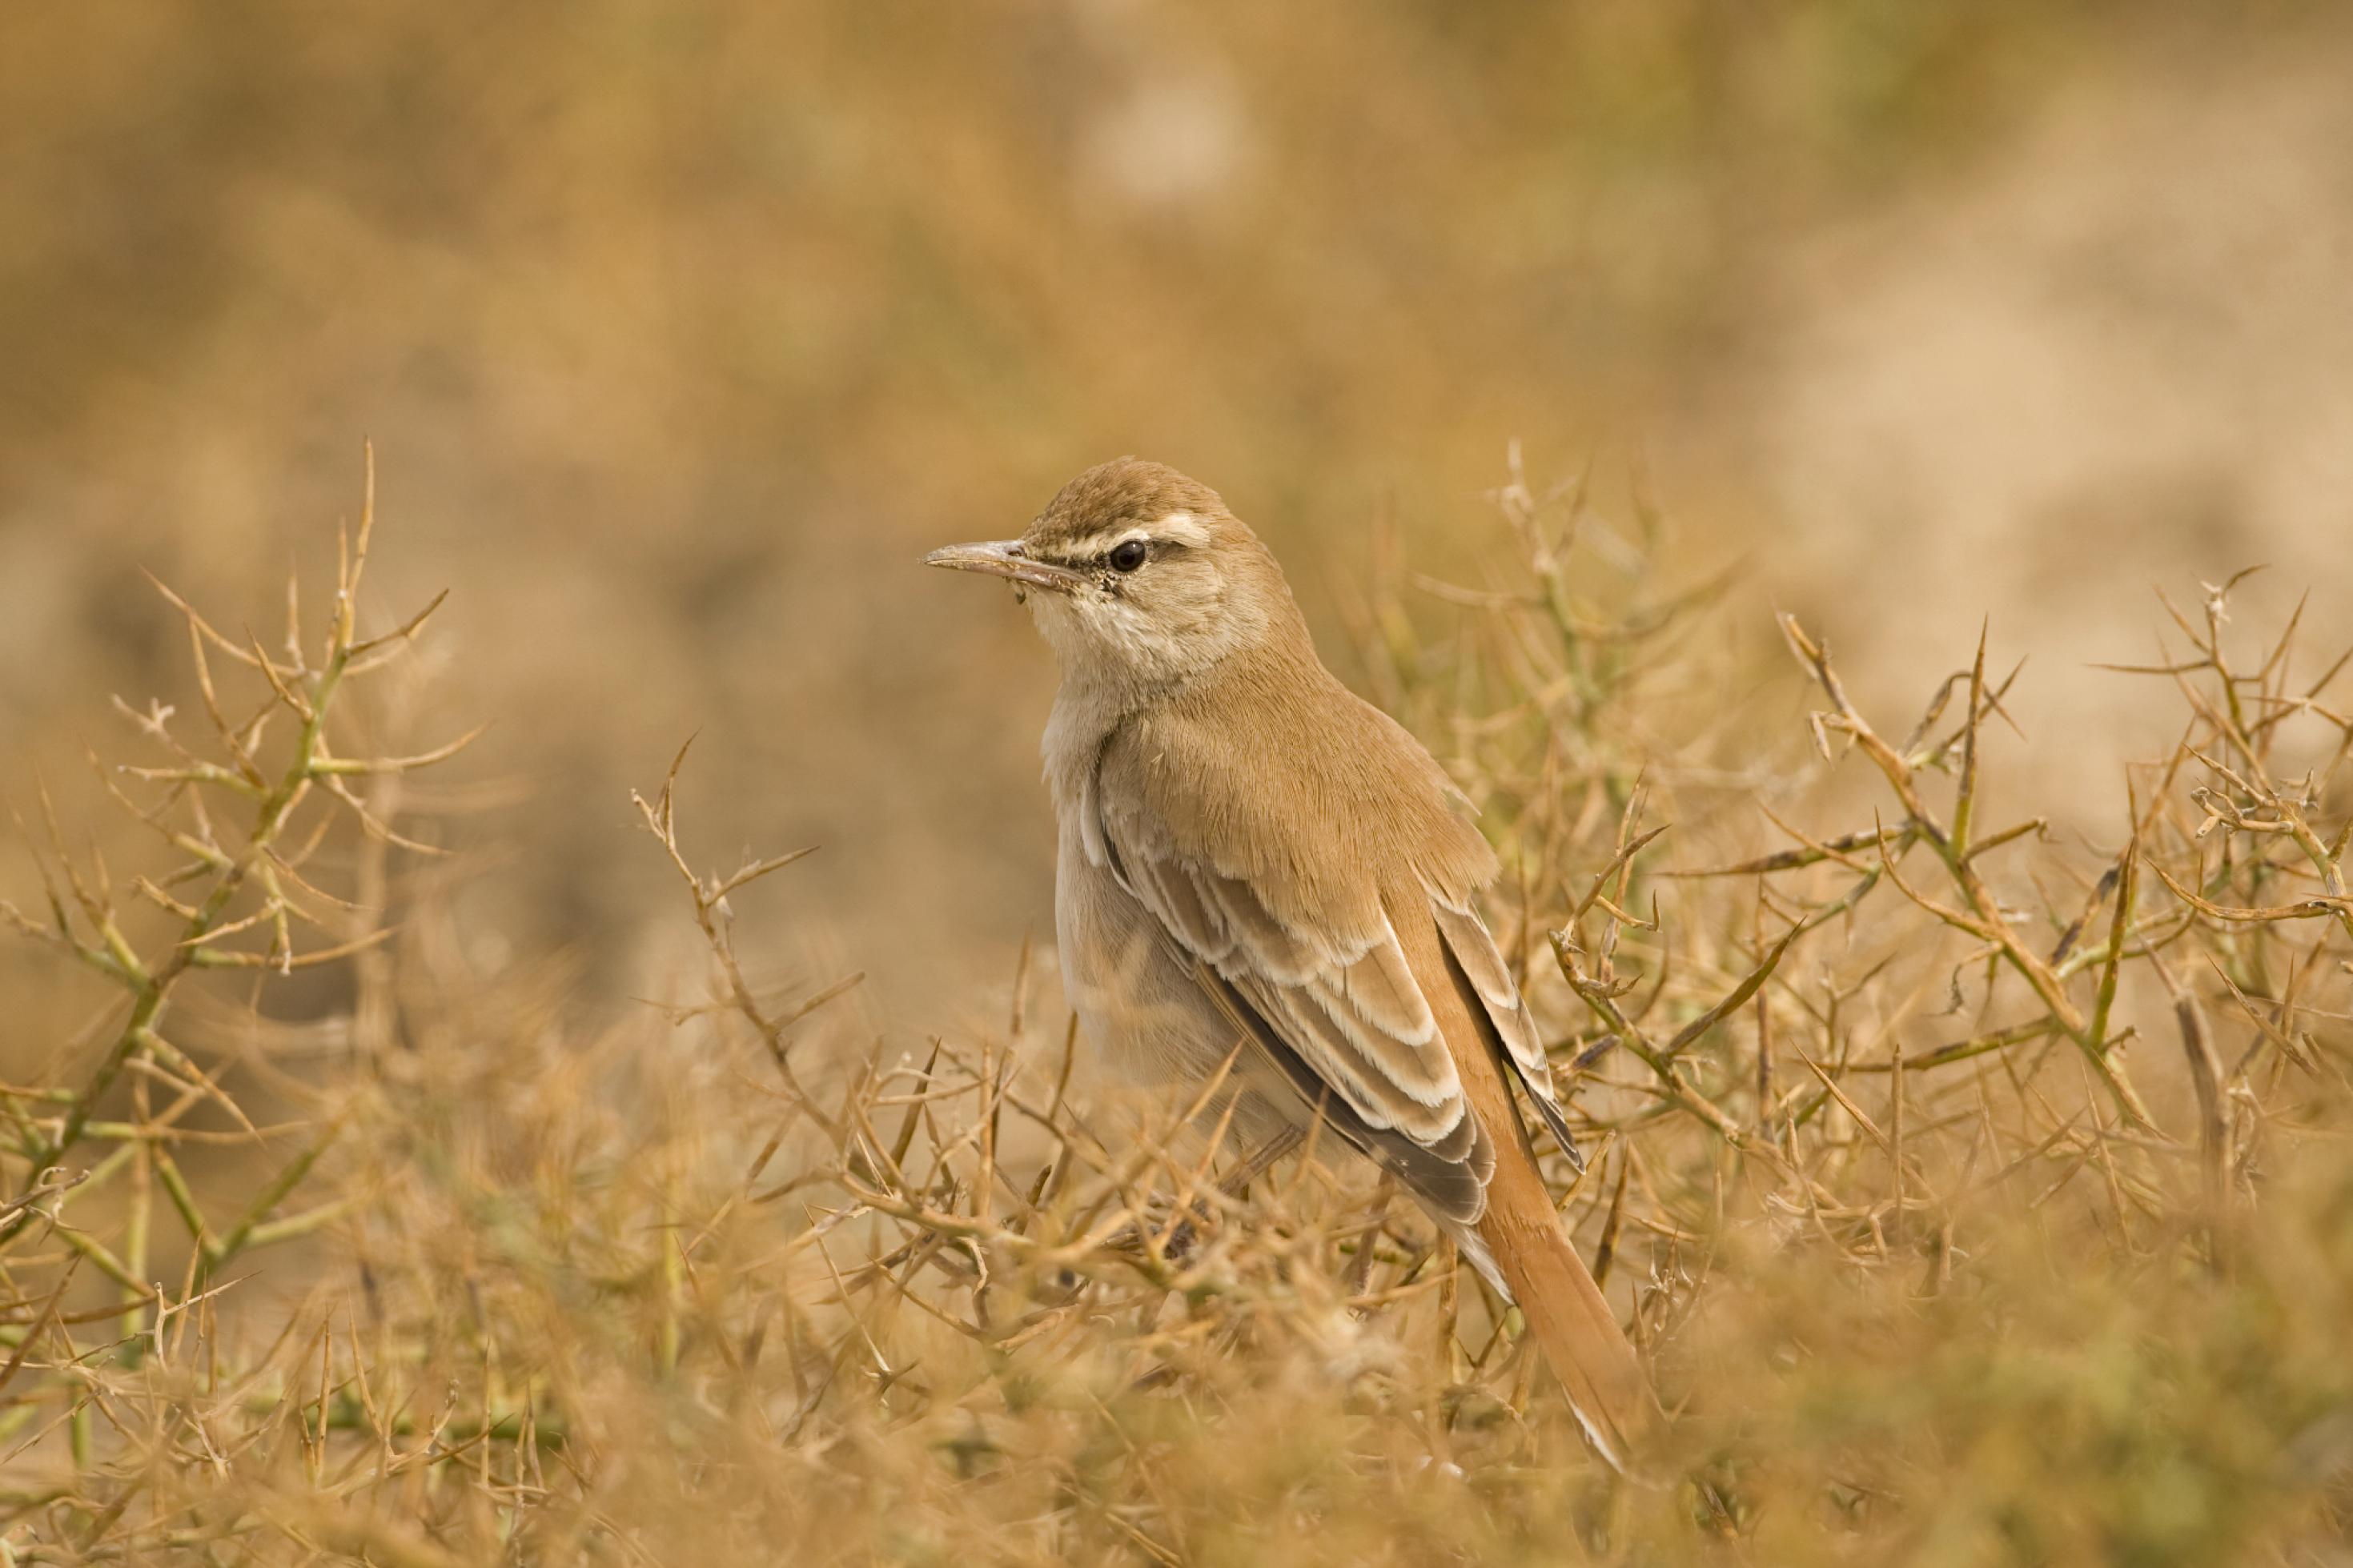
x=682 y=329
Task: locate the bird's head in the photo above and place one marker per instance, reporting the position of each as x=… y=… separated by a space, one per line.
x=1138 y=576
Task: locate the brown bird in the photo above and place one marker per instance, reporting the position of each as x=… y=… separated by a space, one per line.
x=1253 y=856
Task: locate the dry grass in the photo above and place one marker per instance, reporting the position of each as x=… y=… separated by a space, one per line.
x=1979 y=1197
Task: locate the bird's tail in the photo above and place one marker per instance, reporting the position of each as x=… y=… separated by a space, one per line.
x=1522 y=1241
x=1520 y=1234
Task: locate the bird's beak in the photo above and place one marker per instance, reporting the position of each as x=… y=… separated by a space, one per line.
x=1003 y=558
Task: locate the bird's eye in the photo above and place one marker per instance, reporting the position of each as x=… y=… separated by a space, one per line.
x=1129 y=554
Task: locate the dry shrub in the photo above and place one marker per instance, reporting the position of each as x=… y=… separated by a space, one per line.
x=1978 y=1198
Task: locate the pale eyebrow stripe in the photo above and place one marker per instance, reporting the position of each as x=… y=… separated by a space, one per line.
x=1178 y=528
x=1182 y=527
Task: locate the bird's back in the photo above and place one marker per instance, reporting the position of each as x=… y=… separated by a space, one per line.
x=1273 y=771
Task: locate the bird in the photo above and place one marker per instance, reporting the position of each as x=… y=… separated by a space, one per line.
x=1260 y=874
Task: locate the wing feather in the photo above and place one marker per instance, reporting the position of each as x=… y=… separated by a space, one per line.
x=1278 y=951
x=1449 y=1176
x=1472 y=950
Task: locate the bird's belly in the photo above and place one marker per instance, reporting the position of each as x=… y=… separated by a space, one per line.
x=1138 y=1005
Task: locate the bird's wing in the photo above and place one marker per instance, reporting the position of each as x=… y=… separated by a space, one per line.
x=1307 y=958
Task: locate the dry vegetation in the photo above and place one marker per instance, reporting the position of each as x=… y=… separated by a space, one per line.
x=1980 y=1196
